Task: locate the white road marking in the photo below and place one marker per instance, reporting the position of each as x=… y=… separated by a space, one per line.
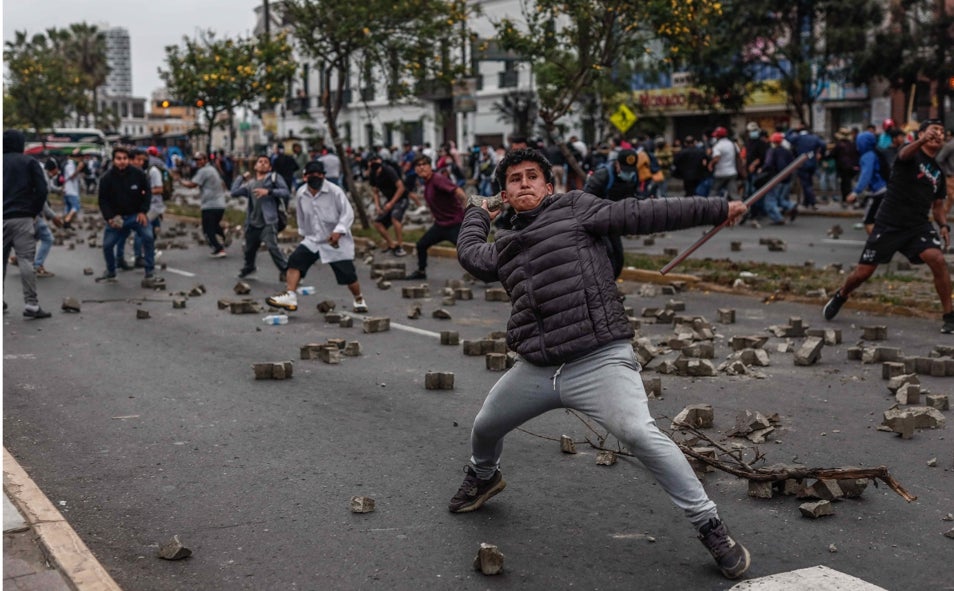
x=816 y=578
x=415 y=330
x=180 y=272
x=848 y=242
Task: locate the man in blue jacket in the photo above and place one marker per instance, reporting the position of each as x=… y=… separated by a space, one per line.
x=24 y=193
x=808 y=143
x=571 y=333
x=870 y=178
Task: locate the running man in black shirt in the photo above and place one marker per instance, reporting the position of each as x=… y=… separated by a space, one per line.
x=915 y=194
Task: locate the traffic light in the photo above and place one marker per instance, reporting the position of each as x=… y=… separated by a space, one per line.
x=166 y=103
x=199 y=103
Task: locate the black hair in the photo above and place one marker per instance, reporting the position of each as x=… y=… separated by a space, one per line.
x=122 y=150
x=522 y=155
x=422 y=158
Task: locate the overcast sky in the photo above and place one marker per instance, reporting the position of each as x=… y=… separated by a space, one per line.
x=151 y=25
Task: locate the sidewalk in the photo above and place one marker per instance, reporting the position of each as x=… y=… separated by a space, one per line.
x=41 y=552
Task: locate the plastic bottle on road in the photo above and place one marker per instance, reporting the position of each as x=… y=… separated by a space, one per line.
x=306 y=290
x=276 y=319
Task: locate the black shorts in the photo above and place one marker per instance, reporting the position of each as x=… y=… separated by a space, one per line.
x=884 y=241
x=302 y=259
x=873 y=204
x=396 y=213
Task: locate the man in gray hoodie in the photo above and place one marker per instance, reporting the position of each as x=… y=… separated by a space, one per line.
x=24 y=193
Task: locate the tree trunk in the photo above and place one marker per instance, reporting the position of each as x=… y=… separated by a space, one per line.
x=331 y=118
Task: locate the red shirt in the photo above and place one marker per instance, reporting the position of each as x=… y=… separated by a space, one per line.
x=441 y=198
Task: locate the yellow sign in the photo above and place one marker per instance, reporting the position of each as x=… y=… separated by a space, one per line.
x=623 y=118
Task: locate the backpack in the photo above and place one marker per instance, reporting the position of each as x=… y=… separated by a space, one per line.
x=167 y=182
x=282 y=222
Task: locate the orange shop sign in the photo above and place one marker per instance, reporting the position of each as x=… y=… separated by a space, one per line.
x=687 y=98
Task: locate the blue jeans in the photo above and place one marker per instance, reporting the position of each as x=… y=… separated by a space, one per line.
x=44 y=242
x=113 y=236
x=604 y=384
x=807 y=179
x=777 y=199
x=70 y=203
x=137 y=241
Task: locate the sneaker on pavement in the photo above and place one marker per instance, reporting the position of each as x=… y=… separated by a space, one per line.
x=948 y=327
x=152 y=281
x=35 y=313
x=245 y=272
x=287 y=300
x=359 y=305
x=474 y=492
x=834 y=305
x=106 y=277
x=42 y=272
x=417 y=275
x=399 y=251
x=732 y=557
x=219 y=254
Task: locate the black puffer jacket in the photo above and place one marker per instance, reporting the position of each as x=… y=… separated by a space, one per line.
x=24 y=184
x=553 y=265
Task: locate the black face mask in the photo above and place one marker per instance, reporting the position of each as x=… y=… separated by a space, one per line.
x=315 y=182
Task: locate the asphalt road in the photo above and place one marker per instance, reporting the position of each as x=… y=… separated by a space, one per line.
x=141 y=429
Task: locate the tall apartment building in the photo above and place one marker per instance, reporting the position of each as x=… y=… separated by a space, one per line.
x=119 y=57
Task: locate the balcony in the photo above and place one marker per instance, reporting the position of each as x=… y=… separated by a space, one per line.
x=433 y=89
x=367 y=94
x=508 y=79
x=346 y=97
x=298 y=105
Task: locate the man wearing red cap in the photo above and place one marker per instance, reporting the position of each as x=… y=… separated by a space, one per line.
x=884 y=138
x=722 y=164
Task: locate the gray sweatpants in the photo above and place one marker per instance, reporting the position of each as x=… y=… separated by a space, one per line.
x=19 y=235
x=605 y=385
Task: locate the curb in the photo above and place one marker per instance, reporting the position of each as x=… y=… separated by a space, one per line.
x=66 y=551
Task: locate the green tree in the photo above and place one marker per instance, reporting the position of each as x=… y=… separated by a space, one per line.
x=84 y=47
x=588 y=47
x=39 y=84
x=403 y=44
x=220 y=75
x=804 y=45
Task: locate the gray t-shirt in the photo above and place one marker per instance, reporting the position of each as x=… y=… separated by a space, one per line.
x=212 y=188
x=257 y=219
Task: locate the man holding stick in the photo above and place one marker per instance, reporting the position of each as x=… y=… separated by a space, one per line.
x=917 y=189
x=571 y=333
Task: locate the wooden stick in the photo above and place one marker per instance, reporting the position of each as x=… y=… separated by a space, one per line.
x=762 y=192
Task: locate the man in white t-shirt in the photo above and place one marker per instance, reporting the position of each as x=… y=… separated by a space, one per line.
x=722 y=165
x=211 y=201
x=72 y=175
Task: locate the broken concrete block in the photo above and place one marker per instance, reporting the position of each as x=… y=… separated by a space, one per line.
x=362 y=504
x=414 y=313
x=891 y=369
x=938 y=401
x=70 y=305
x=197 y=290
x=737 y=343
x=671 y=252
x=448 y=301
x=831 y=336
x=330 y=354
x=760 y=489
x=88 y=271
x=242 y=288
x=489 y=560
x=244 y=307
x=649 y=241
x=224 y=304
x=567 y=445
x=450 y=337
x=700 y=368
x=922 y=365
x=854 y=353
x=372 y=324
x=346 y=321
x=756 y=357
x=383 y=284
x=436 y=380
x=653 y=387
x=816 y=509
x=852 y=488
x=902 y=423
x=809 y=352
x=704 y=350
x=472 y=348
x=676 y=305
x=699 y=465
x=606 y=458
x=827 y=490
x=178 y=303
x=441 y=314
x=174 y=550
x=735 y=246
x=463 y=293
x=874 y=333
x=496 y=294
x=908 y=394
x=496 y=361
x=273 y=370
x=938 y=368
x=333 y=317
x=699 y=416
x=895 y=383
x=309 y=351
x=748 y=421
x=734 y=368
x=726 y=316
x=325 y=306
x=142 y=314
x=352 y=349
x=925 y=417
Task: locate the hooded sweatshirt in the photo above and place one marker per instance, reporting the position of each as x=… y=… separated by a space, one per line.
x=870 y=176
x=24 y=184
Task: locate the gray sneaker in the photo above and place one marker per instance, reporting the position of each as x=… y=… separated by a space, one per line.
x=732 y=557
x=948 y=327
x=474 y=492
x=106 y=277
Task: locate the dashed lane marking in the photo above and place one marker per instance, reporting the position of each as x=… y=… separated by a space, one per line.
x=415 y=330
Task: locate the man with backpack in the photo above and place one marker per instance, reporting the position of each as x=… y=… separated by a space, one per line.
x=615 y=180
x=267 y=196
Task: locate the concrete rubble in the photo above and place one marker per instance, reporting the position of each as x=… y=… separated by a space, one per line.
x=371 y=324
x=567 y=445
x=450 y=337
x=174 y=550
x=816 y=509
x=70 y=304
x=242 y=288
x=699 y=416
x=809 y=352
x=273 y=370
x=436 y=380
x=489 y=560
x=605 y=458
x=142 y=314
x=362 y=504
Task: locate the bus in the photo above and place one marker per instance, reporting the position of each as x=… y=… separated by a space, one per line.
x=63 y=141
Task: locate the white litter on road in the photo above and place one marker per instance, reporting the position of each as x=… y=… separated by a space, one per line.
x=179 y=272
x=415 y=330
x=842 y=241
x=816 y=578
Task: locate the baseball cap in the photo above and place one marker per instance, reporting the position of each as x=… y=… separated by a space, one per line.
x=315 y=166
x=888 y=123
x=752 y=126
x=50 y=165
x=152 y=151
x=719 y=132
x=777 y=138
x=627 y=160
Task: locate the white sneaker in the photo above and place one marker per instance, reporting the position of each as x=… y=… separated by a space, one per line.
x=287 y=300
x=359 y=306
